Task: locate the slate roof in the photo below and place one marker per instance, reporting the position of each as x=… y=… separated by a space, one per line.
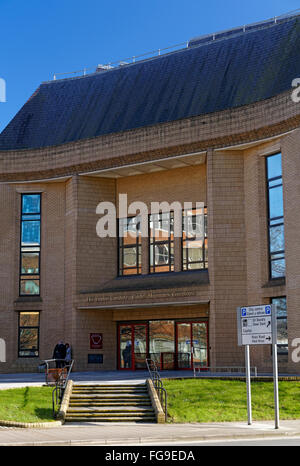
x=209 y=76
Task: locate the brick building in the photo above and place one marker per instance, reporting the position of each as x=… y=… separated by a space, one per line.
x=213 y=123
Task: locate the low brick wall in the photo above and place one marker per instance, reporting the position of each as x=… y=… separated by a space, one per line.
x=159 y=413
x=65 y=401
x=31 y=425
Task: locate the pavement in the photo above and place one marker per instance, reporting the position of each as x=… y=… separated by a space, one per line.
x=109 y=434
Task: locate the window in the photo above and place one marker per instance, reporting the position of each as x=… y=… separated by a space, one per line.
x=161 y=227
x=282 y=335
x=129 y=246
x=30 y=245
x=194 y=239
x=275 y=217
x=28 y=342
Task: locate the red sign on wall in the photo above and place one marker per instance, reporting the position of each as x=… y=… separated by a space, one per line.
x=96 y=340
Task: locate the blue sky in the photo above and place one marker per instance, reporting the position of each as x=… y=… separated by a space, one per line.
x=39 y=38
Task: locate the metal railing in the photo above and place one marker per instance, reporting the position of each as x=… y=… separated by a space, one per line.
x=58 y=378
x=214 y=369
x=158 y=385
x=182 y=45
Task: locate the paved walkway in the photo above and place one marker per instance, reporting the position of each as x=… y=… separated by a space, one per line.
x=137 y=434
x=130 y=433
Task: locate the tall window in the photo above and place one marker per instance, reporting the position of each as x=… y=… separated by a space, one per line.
x=130 y=246
x=30 y=245
x=282 y=335
x=28 y=341
x=161 y=228
x=194 y=239
x=275 y=217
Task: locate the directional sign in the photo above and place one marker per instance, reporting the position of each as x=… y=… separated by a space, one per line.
x=256 y=325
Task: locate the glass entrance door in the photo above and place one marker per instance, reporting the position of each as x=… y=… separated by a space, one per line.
x=191 y=344
x=132 y=346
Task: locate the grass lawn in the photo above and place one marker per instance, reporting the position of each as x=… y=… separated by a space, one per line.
x=226 y=400
x=28 y=404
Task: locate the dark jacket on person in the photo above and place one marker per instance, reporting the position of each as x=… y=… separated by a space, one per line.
x=59 y=351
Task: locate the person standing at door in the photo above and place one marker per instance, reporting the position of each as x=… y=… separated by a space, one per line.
x=127 y=355
x=68 y=357
x=59 y=354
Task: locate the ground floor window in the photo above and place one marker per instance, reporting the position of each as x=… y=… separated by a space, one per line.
x=282 y=333
x=28 y=341
x=172 y=344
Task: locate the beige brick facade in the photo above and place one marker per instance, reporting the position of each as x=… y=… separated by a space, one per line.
x=81 y=292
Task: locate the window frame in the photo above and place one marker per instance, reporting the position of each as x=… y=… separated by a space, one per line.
x=280 y=346
x=280 y=252
x=204 y=252
x=37 y=276
x=121 y=247
x=152 y=243
x=34 y=327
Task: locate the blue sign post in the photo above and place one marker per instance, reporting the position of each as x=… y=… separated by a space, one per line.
x=257 y=326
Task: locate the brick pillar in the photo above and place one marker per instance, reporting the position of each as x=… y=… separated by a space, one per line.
x=226 y=259
x=291 y=198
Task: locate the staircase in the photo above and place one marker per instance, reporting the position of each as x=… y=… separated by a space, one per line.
x=110 y=403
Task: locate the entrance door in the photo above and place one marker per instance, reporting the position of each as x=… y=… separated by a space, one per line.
x=191 y=344
x=132 y=346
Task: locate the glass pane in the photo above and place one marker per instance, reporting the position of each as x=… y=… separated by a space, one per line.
x=280 y=306
x=30 y=287
x=129 y=257
x=193 y=223
x=30 y=262
x=282 y=334
x=125 y=347
x=276 y=202
x=140 y=346
x=29 y=319
x=274 y=166
x=161 y=254
x=161 y=225
x=277 y=238
x=196 y=266
x=195 y=251
x=184 y=345
x=162 y=336
x=129 y=230
x=31 y=232
x=28 y=342
x=199 y=343
x=31 y=203
x=278 y=268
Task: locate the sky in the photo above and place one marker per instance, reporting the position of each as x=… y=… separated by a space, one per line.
x=40 y=38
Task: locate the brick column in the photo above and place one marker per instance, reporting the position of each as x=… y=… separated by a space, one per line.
x=291 y=198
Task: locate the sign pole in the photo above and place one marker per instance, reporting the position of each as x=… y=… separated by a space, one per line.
x=257 y=325
x=275 y=377
x=275 y=365
x=248 y=381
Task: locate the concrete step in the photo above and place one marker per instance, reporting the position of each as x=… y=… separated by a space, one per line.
x=113 y=403
x=88 y=396
x=96 y=390
x=113 y=409
x=111 y=414
x=110 y=419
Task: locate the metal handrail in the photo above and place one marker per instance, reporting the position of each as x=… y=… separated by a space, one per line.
x=61 y=381
x=158 y=385
x=215 y=369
